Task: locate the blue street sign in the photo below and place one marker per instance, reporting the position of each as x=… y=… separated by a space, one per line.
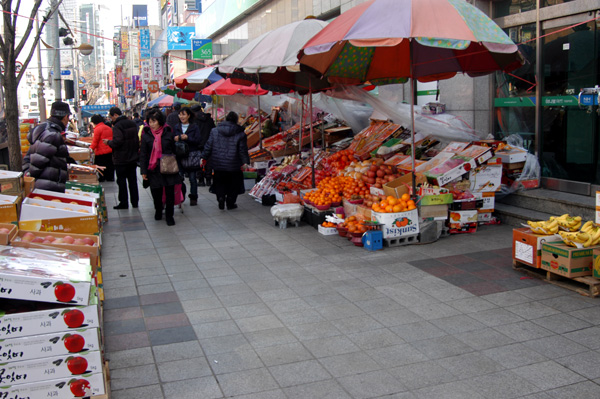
x=91 y=108
x=66 y=72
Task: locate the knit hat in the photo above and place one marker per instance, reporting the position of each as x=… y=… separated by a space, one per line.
x=60 y=109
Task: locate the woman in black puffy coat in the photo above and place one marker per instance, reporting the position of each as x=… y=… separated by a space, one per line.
x=188 y=132
x=158 y=140
x=227 y=151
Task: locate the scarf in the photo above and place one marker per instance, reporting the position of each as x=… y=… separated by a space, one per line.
x=156 y=148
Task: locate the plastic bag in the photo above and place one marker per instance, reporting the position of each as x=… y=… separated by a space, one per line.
x=287 y=211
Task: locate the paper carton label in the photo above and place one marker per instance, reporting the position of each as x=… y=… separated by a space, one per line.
x=485 y=178
x=398 y=224
x=524 y=252
x=86 y=385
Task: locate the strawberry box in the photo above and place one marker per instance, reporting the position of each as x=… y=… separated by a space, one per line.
x=46 y=321
x=48 y=281
x=34 y=370
x=47 y=345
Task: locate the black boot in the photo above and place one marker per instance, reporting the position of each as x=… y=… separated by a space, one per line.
x=221 y=203
x=193 y=200
x=158 y=214
x=201 y=179
x=208 y=180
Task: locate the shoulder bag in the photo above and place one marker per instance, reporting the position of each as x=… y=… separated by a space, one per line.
x=168 y=164
x=182 y=149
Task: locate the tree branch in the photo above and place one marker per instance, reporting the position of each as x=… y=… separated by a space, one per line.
x=27 y=32
x=36 y=39
x=15 y=12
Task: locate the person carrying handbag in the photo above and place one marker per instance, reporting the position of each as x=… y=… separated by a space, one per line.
x=187 y=132
x=158 y=166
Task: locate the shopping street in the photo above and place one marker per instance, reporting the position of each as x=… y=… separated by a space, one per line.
x=224 y=304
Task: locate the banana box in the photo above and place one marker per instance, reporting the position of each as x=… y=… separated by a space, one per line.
x=527 y=246
x=596 y=257
x=567 y=261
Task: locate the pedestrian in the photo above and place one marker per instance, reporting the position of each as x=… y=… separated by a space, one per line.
x=227 y=151
x=188 y=132
x=102 y=152
x=205 y=123
x=125 y=145
x=158 y=140
x=137 y=120
x=173 y=117
x=46 y=159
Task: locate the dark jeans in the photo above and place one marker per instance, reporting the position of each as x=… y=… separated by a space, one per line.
x=157 y=194
x=127 y=174
x=106 y=160
x=193 y=181
x=228 y=185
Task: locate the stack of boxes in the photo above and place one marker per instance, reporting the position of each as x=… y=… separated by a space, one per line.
x=50 y=330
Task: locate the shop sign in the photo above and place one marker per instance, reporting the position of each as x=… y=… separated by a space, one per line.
x=146 y=69
x=180 y=37
x=153 y=86
x=548 y=101
x=157 y=68
x=202 y=49
x=144 y=44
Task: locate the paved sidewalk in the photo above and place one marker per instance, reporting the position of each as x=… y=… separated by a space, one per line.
x=226 y=305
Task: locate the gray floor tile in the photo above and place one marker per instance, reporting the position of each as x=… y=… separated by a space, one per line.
x=234 y=361
x=397 y=355
x=548 y=375
x=441 y=347
x=186 y=369
x=283 y=354
x=349 y=364
x=372 y=384
x=150 y=391
x=581 y=390
x=330 y=346
x=298 y=373
x=423 y=374
x=258 y=323
x=484 y=339
x=322 y=389
x=458 y=324
x=177 y=351
x=418 y=331
x=162 y=309
x=224 y=344
x=514 y=355
x=216 y=329
x=172 y=335
x=449 y=390
x=136 y=376
x=270 y=337
x=587 y=364
x=247 y=382
x=190 y=389
x=470 y=365
x=130 y=358
x=375 y=339
x=562 y=323
x=555 y=346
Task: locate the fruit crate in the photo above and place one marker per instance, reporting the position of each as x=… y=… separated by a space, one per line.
x=315 y=217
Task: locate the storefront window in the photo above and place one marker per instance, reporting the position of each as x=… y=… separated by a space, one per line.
x=509 y=7
x=570 y=131
x=514 y=102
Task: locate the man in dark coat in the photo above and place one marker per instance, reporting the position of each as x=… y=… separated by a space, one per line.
x=173 y=117
x=227 y=151
x=126 y=147
x=46 y=159
x=136 y=119
x=205 y=123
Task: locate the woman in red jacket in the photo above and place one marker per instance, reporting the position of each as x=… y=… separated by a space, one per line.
x=103 y=153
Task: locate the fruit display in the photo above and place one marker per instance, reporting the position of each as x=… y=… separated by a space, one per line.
x=544 y=227
x=588 y=236
x=569 y=223
x=329 y=225
x=390 y=204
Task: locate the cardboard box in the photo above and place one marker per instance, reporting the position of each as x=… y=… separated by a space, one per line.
x=376 y=191
x=41 y=215
x=11 y=183
x=484 y=217
x=459 y=218
x=566 y=261
x=596 y=264
x=64 y=388
x=466 y=204
x=438 y=212
x=6 y=238
x=527 y=246
x=455 y=146
x=327 y=231
x=485 y=178
x=440 y=199
x=9 y=208
x=35 y=370
x=486 y=201
x=28 y=184
x=398 y=224
x=511 y=156
x=47 y=345
x=66 y=198
x=450 y=170
x=50 y=281
x=466 y=228
x=93 y=251
x=48 y=321
x=366 y=212
x=478 y=153
x=402 y=185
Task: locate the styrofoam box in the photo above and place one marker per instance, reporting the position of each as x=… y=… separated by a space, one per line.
x=46 y=345
x=398 y=224
x=49 y=321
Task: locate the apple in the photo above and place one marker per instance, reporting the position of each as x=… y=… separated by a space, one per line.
x=58 y=241
x=80 y=387
x=78 y=241
x=73 y=202
x=74 y=342
x=89 y=241
x=29 y=236
x=56 y=200
x=38 y=240
x=74 y=318
x=64 y=292
x=4 y=230
x=38 y=197
x=82 y=210
x=68 y=240
x=50 y=238
x=47 y=242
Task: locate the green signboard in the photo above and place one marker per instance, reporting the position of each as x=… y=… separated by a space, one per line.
x=549 y=101
x=202 y=49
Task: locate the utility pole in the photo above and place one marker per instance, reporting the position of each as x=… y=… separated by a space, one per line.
x=41 y=99
x=56 y=44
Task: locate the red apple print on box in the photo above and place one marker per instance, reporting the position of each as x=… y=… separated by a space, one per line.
x=77 y=364
x=73 y=318
x=64 y=292
x=80 y=387
x=74 y=342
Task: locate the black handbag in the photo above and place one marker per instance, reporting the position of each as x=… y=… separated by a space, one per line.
x=182 y=149
x=193 y=161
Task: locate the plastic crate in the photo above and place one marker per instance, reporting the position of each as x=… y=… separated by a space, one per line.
x=373 y=240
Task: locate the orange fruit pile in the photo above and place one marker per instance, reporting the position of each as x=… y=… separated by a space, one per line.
x=328 y=224
x=394 y=205
x=341 y=159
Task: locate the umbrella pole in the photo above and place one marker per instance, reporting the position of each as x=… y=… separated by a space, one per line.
x=301 y=125
x=259 y=123
x=412 y=121
x=310 y=124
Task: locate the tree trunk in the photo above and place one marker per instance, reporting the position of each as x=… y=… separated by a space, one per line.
x=11 y=108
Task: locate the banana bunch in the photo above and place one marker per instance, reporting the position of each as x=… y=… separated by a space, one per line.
x=593 y=229
x=568 y=223
x=544 y=227
x=578 y=237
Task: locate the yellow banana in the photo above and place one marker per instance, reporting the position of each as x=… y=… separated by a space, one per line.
x=587 y=226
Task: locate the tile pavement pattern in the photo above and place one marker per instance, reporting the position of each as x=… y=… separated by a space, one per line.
x=226 y=305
